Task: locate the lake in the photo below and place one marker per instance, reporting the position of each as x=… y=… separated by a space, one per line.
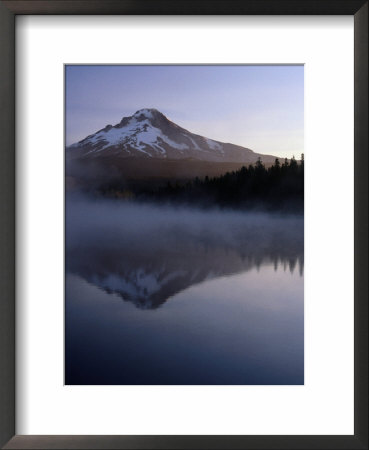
x=175 y=296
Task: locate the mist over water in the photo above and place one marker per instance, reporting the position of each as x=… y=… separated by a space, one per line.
x=164 y=295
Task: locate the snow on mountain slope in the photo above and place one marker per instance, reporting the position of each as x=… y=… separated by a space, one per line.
x=150 y=134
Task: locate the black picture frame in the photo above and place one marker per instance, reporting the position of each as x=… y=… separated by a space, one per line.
x=8 y=11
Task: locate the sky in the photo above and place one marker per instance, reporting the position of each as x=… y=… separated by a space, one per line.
x=260 y=107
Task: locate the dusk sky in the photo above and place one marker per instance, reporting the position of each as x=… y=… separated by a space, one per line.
x=258 y=107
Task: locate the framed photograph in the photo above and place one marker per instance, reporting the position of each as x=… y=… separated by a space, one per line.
x=184 y=224
x=169 y=221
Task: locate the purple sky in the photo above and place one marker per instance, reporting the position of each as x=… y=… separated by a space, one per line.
x=259 y=107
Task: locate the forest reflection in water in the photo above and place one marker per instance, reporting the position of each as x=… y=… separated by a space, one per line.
x=147 y=254
x=228 y=286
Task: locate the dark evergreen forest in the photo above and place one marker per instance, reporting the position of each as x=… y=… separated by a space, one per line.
x=278 y=187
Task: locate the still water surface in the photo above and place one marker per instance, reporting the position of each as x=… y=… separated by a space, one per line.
x=179 y=296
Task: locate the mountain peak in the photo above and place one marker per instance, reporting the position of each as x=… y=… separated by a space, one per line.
x=150 y=134
x=147 y=113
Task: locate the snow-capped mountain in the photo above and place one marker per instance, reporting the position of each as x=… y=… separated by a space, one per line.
x=150 y=134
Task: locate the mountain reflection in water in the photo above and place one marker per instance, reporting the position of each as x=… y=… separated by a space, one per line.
x=146 y=254
x=210 y=297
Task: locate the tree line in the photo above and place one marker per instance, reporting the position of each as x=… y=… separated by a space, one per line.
x=278 y=187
